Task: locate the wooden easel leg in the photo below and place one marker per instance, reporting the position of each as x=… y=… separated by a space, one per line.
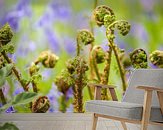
x=95 y=119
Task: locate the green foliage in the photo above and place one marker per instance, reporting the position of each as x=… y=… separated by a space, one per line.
x=36 y=78
x=4 y=72
x=8 y=126
x=64 y=103
x=21 y=99
x=7 y=48
x=24 y=98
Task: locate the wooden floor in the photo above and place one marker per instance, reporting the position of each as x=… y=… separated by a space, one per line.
x=59 y=121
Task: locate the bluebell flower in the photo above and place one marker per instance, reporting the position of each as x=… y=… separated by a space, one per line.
x=70 y=108
x=69 y=45
x=18 y=90
x=6 y=89
x=59 y=10
x=45 y=20
x=140 y=33
x=148 y=5
x=14 y=16
x=83 y=20
x=13 y=19
x=10 y=110
x=153 y=66
x=31 y=46
x=22 y=4
x=105 y=46
x=52 y=40
x=46 y=74
x=69 y=93
x=53 y=96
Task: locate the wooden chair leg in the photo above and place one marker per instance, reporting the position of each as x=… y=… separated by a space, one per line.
x=146 y=110
x=124 y=125
x=95 y=119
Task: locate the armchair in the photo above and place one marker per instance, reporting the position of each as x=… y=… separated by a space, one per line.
x=141 y=104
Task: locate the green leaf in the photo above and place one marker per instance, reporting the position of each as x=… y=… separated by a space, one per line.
x=20 y=99
x=8 y=48
x=24 y=98
x=8 y=68
x=4 y=72
x=8 y=126
x=4 y=107
x=3 y=76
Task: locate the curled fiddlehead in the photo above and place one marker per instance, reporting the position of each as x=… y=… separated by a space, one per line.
x=84 y=37
x=156 y=58
x=48 y=59
x=40 y=105
x=103 y=15
x=99 y=54
x=139 y=58
x=122 y=26
x=77 y=68
x=6 y=34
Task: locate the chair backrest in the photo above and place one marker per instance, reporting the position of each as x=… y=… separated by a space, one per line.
x=147 y=77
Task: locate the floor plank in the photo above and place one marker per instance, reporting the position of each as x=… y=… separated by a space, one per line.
x=60 y=121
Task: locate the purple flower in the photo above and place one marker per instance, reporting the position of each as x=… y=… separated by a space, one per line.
x=53 y=96
x=70 y=45
x=105 y=46
x=52 y=40
x=45 y=20
x=47 y=73
x=22 y=4
x=31 y=46
x=69 y=93
x=153 y=66
x=6 y=89
x=18 y=90
x=139 y=32
x=70 y=108
x=148 y=4
x=82 y=19
x=10 y=110
x=59 y=10
x=13 y=17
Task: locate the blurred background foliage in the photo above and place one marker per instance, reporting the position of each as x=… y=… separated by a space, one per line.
x=53 y=25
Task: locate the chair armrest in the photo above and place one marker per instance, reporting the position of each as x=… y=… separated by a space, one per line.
x=102 y=85
x=150 y=88
x=98 y=88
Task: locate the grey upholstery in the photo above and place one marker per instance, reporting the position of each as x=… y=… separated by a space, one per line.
x=131 y=111
x=132 y=104
x=146 y=77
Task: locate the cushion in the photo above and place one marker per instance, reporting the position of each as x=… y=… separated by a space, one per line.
x=131 y=111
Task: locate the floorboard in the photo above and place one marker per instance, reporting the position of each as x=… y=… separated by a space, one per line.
x=60 y=121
